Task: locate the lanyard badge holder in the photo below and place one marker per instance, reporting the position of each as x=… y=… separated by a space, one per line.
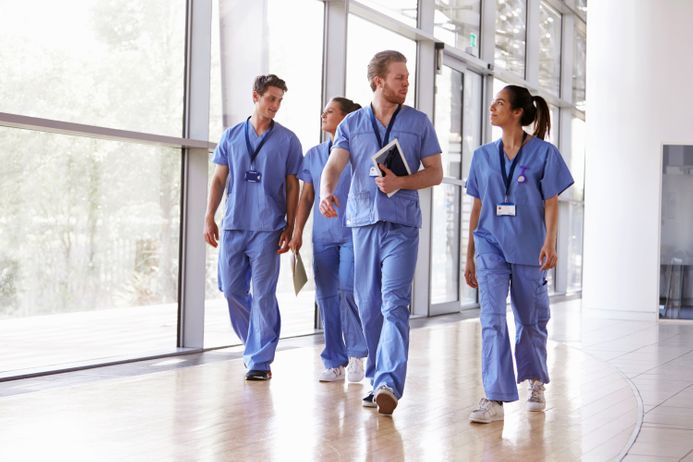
x=252 y=175
x=507 y=208
x=373 y=171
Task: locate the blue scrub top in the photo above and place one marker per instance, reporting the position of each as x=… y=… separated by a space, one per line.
x=521 y=237
x=367 y=204
x=326 y=230
x=258 y=206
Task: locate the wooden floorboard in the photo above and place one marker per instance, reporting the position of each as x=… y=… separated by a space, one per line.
x=209 y=412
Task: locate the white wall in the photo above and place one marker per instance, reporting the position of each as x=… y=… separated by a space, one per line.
x=639 y=97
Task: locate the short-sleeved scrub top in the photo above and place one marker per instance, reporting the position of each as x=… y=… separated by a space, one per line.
x=326 y=230
x=367 y=204
x=546 y=175
x=258 y=206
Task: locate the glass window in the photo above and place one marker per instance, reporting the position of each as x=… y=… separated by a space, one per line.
x=364 y=40
x=579 y=69
x=511 y=25
x=576 y=219
x=88 y=249
x=113 y=64
x=295 y=55
x=445 y=244
x=472 y=119
x=549 y=49
x=577 y=159
x=216 y=110
x=457 y=23
x=402 y=10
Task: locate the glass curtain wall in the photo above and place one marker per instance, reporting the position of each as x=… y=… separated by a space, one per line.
x=89 y=244
x=295 y=55
x=402 y=10
x=457 y=121
x=458 y=23
x=549 y=49
x=365 y=39
x=511 y=35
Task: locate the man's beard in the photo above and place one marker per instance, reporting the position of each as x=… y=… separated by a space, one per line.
x=392 y=96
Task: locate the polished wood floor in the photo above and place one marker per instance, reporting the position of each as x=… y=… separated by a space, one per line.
x=619 y=389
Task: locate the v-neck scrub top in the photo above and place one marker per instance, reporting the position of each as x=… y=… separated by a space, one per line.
x=367 y=204
x=328 y=230
x=521 y=237
x=258 y=206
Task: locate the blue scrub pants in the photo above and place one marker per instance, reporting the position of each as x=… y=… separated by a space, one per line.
x=333 y=264
x=247 y=257
x=384 y=262
x=530 y=305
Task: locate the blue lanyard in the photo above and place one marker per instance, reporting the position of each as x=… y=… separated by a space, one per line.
x=389 y=126
x=253 y=153
x=507 y=178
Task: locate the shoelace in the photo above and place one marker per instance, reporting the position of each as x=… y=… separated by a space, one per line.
x=535 y=390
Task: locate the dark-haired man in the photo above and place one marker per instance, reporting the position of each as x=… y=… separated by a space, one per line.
x=261 y=160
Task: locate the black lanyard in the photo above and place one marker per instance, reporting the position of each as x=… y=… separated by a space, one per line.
x=253 y=153
x=507 y=178
x=389 y=126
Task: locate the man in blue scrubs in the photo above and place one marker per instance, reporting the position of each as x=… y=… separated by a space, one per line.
x=385 y=229
x=258 y=162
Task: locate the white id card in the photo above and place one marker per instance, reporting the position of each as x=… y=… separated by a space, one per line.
x=505 y=209
x=373 y=172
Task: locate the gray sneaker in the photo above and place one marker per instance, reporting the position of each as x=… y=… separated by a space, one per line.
x=486 y=412
x=536 y=401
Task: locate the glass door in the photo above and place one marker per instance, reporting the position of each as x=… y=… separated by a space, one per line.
x=457 y=121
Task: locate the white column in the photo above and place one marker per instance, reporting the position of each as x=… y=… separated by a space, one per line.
x=638 y=98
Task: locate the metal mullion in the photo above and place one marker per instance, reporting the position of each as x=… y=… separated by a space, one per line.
x=94 y=131
x=192 y=252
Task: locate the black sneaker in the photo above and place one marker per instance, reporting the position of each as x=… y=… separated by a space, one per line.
x=368 y=401
x=255 y=374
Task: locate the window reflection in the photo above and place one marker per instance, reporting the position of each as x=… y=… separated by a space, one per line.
x=511 y=20
x=364 y=40
x=549 y=49
x=402 y=10
x=579 y=69
x=112 y=64
x=457 y=23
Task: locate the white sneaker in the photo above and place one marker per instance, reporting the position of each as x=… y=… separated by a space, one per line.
x=536 y=401
x=332 y=374
x=487 y=412
x=385 y=399
x=355 y=370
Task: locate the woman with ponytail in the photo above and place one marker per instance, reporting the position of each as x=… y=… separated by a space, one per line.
x=515 y=182
x=333 y=258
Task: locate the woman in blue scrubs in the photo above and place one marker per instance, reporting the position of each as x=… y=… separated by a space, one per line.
x=515 y=182
x=333 y=259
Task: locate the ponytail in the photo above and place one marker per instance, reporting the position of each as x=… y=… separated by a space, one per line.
x=534 y=109
x=542 y=121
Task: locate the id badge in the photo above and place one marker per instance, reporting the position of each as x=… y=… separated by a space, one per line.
x=505 y=209
x=373 y=172
x=253 y=176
